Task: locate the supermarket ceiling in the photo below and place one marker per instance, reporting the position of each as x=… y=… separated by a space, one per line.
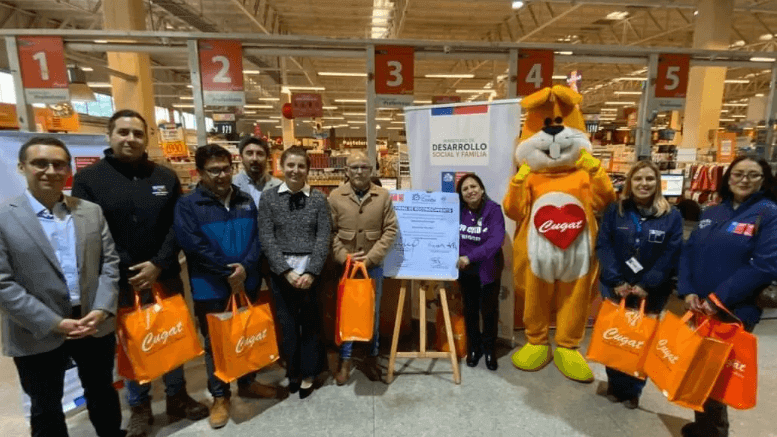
x=637 y=23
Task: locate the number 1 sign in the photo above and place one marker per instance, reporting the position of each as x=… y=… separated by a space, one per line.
x=394 y=75
x=221 y=69
x=42 y=63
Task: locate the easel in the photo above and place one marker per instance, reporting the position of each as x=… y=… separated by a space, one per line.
x=423 y=352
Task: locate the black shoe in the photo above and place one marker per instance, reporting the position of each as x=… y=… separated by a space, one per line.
x=140 y=419
x=181 y=405
x=612 y=397
x=491 y=361
x=305 y=392
x=631 y=404
x=473 y=358
x=294 y=386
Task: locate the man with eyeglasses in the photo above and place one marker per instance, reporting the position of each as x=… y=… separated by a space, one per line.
x=216 y=226
x=138 y=198
x=364 y=226
x=58 y=291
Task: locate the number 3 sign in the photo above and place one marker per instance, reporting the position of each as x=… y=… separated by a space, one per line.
x=672 y=79
x=221 y=68
x=535 y=71
x=42 y=63
x=394 y=75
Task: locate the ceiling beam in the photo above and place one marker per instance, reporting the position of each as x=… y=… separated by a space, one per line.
x=547 y=23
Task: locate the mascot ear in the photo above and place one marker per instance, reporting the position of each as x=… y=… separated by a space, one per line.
x=536 y=100
x=538 y=106
x=567 y=95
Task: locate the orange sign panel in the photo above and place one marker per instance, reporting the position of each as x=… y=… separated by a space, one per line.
x=42 y=63
x=672 y=79
x=535 y=71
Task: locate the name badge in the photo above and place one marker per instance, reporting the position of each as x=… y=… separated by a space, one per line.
x=159 y=190
x=656 y=236
x=634 y=265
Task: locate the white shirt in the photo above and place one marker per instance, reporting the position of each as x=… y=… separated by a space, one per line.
x=284 y=188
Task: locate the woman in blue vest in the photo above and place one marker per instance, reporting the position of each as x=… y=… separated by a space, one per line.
x=733 y=254
x=638 y=248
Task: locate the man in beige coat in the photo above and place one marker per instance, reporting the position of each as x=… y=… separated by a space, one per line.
x=364 y=226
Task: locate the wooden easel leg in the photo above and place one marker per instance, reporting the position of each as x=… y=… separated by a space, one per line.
x=422 y=317
x=395 y=338
x=449 y=332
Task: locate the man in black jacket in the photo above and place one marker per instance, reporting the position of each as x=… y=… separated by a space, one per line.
x=138 y=200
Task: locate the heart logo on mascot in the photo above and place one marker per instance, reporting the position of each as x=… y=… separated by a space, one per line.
x=560 y=226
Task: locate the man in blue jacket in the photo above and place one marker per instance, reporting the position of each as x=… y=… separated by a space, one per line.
x=216 y=226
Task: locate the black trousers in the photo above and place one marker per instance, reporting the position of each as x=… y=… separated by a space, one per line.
x=42 y=377
x=299 y=316
x=480 y=300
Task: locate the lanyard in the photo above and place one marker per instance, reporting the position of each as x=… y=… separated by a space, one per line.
x=638 y=225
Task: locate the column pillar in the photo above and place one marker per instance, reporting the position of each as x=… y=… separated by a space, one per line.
x=137 y=95
x=705 y=84
x=287 y=125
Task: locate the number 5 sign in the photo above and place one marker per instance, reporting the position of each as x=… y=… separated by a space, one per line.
x=535 y=71
x=221 y=69
x=42 y=64
x=394 y=75
x=672 y=79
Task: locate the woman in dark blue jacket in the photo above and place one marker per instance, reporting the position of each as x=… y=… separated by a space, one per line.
x=638 y=248
x=733 y=254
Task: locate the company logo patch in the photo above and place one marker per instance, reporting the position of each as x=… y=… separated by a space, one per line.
x=159 y=190
x=560 y=226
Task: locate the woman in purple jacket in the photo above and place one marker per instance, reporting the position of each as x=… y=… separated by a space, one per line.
x=481 y=233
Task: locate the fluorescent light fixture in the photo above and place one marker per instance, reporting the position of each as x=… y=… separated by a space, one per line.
x=637 y=79
x=350 y=100
x=736 y=81
x=628 y=93
x=101 y=41
x=355 y=127
x=760 y=59
x=620 y=103
x=563 y=53
x=727 y=119
x=739 y=116
x=341 y=74
x=617 y=15
x=559 y=77
x=735 y=104
x=275 y=117
x=759 y=94
x=476 y=91
x=623 y=128
x=383 y=118
x=249 y=112
x=99 y=84
x=287 y=88
x=395 y=128
x=278 y=127
x=186 y=97
x=609 y=109
x=251 y=72
x=397 y=122
x=265 y=120
x=259 y=106
x=421 y=102
x=182 y=105
x=724 y=110
x=358 y=114
x=517 y=4
x=87 y=69
x=270 y=99
x=450 y=76
x=356 y=122
x=333 y=118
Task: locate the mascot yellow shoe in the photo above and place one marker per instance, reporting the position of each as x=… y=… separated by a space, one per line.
x=572 y=365
x=532 y=357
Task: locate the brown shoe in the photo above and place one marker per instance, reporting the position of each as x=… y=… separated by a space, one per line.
x=140 y=419
x=344 y=372
x=256 y=390
x=181 y=405
x=372 y=369
x=219 y=412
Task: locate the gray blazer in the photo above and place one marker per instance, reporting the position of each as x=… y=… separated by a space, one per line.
x=33 y=293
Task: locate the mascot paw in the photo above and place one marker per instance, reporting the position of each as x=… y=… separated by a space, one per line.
x=523 y=172
x=572 y=365
x=532 y=357
x=587 y=162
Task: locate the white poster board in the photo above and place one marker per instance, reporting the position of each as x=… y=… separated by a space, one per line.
x=427 y=244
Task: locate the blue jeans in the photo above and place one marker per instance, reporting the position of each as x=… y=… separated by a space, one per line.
x=624 y=386
x=216 y=387
x=138 y=394
x=346 y=349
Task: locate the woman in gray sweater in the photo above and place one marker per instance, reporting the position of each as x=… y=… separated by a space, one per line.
x=294 y=232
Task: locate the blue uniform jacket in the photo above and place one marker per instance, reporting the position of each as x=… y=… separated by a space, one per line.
x=212 y=237
x=653 y=241
x=732 y=253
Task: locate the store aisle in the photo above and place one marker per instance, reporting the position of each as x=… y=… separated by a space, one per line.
x=502 y=403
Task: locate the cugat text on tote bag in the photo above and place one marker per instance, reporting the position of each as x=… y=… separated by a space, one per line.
x=156 y=338
x=355 y=304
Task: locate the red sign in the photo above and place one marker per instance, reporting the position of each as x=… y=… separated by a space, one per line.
x=221 y=69
x=42 y=61
x=394 y=70
x=436 y=100
x=307 y=105
x=672 y=79
x=535 y=71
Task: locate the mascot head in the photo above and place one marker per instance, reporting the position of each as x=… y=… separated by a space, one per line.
x=553 y=133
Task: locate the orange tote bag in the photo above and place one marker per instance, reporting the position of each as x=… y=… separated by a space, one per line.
x=156 y=338
x=683 y=362
x=621 y=337
x=737 y=385
x=459 y=333
x=242 y=339
x=355 y=305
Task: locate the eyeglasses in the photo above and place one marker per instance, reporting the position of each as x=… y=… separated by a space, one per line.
x=752 y=177
x=43 y=165
x=216 y=172
x=358 y=168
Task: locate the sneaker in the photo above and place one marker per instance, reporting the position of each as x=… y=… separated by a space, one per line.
x=140 y=420
x=181 y=405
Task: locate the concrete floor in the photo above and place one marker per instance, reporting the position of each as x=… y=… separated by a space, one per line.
x=423 y=401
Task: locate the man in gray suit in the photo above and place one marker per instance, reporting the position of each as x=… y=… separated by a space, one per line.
x=58 y=292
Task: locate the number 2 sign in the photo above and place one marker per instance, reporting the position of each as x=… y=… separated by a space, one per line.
x=535 y=71
x=394 y=71
x=221 y=69
x=672 y=79
x=42 y=64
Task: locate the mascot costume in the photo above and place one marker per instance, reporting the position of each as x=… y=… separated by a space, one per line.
x=554 y=199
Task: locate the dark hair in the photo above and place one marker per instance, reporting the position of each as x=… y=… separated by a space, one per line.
x=768 y=186
x=125 y=113
x=208 y=152
x=261 y=142
x=296 y=151
x=478 y=180
x=43 y=141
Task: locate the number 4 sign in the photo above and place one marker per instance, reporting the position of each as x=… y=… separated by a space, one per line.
x=221 y=68
x=535 y=71
x=42 y=64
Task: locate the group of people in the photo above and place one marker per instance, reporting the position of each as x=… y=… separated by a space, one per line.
x=68 y=264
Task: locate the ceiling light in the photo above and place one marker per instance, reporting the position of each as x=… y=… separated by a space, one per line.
x=249 y=112
x=620 y=103
x=563 y=53
x=724 y=110
x=735 y=104
x=278 y=127
x=383 y=119
x=287 y=88
x=760 y=59
x=182 y=105
x=736 y=81
x=623 y=128
x=275 y=117
x=265 y=120
x=259 y=106
x=738 y=43
x=186 y=97
x=628 y=93
x=270 y=99
x=759 y=95
x=99 y=85
x=727 y=119
x=450 y=76
x=738 y=116
x=87 y=69
x=617 y=15
x=251 y=72
x=397 y=122
x=517 y=4
x=341 y=74
x=609 y=109
x=419 y=102
x=395 y=128
x=350 y=101
x=639 y=79
x=476 y=91
x=356 y=122
x=333 y=118
x=101 y=41
x=764 y=37
x=559 y=77
x=358 y=114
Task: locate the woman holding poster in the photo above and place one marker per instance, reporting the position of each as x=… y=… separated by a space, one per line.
x=638 y=247
x=481 y=233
